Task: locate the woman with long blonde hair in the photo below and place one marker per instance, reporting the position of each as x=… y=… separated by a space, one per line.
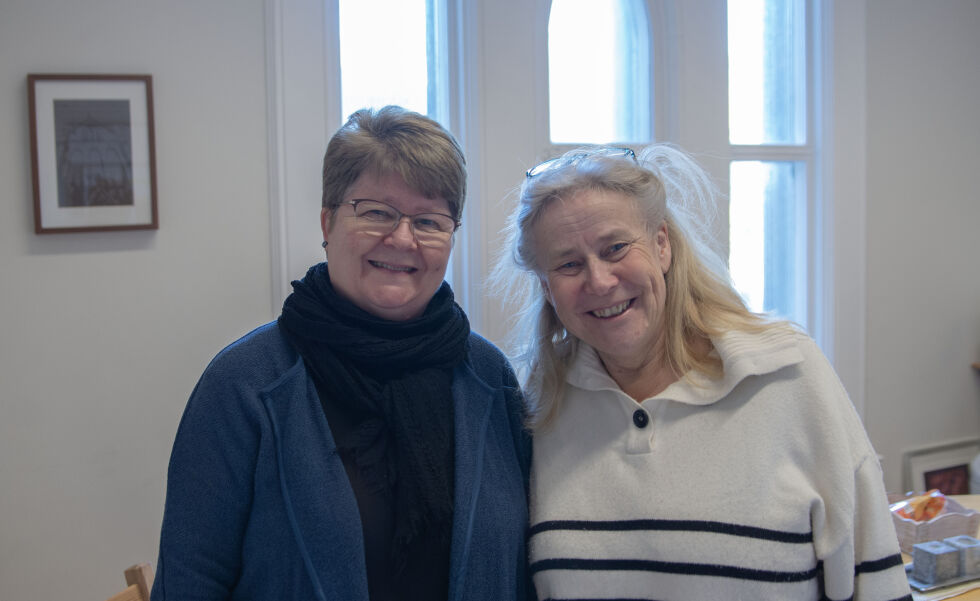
x=685 y=447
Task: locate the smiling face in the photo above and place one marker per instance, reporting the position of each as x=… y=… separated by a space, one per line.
x=603 y=272
x=391 y=276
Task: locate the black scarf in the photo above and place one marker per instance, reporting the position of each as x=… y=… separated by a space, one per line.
x=398 y=374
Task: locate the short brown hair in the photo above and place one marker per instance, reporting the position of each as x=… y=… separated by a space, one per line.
x=395 y=140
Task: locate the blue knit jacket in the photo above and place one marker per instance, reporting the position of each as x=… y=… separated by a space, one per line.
x=259 y=505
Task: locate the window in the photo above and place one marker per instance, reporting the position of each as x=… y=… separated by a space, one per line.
x=767 y=71
x=599 y=57
x=498 y=56
x=770 y=176
x=393 y=52
x=767 y=257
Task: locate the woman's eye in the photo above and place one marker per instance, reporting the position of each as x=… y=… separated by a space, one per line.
x=568 y=268
x=427 y=225
x=617 y=250
x=377 y=215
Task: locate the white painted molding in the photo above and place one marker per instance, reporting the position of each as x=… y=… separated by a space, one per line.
x=466 y=117
x=301 y=65
x=845 y=146
x=664 y=44
x=276 y=152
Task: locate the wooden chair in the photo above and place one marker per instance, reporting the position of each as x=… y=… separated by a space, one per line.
x=140 y=580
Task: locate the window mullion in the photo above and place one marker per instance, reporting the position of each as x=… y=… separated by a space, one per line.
x=770 y=152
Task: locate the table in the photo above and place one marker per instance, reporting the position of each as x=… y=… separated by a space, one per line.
x=969 y=502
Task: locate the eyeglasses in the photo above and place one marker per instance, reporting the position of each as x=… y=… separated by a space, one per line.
x=380 y=219
x=574 y=157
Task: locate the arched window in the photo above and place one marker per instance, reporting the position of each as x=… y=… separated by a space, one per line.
x=599 y=66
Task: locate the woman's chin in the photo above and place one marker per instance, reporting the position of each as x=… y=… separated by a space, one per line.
x=395 y=305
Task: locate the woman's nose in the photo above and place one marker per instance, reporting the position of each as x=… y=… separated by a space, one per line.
x=403 y=235
x=600 y=278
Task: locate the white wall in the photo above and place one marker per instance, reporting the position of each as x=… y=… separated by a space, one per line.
x=103 y=335
x=923 y=157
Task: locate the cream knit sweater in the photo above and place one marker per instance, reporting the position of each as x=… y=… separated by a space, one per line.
x=760 y=485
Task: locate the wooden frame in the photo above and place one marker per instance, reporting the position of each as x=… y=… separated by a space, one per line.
x=942 y=465
x=93 y=163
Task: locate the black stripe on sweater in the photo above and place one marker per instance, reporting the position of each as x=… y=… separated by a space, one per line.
x=673 y=526
x=878 y=565
x=667 y=567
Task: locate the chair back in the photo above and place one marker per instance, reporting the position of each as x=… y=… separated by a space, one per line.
x=140 y=580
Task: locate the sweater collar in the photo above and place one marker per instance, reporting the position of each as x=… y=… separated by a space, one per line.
x=742 y=354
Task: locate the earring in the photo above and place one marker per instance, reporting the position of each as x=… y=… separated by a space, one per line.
x=324 y=245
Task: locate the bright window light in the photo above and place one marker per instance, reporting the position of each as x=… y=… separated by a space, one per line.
x=767 y=233
x=768 y=200
x=599 y=71
x=383 y=54
x=767 y=71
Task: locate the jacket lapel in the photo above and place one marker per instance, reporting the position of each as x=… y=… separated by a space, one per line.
x=316 y=492
x=318 y=498
x=472 y=404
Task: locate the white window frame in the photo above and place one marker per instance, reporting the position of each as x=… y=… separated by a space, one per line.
x=300 y=118
x=836 y=206
x=834 y=152
x=806 y=153
x=842 y=107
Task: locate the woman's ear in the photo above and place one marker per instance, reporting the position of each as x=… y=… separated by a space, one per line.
x=547 y=290
x=325 y=217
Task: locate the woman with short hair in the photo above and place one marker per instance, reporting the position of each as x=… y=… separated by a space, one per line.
x=366 y=445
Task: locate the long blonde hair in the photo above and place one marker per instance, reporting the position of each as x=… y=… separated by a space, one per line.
x=670 y=188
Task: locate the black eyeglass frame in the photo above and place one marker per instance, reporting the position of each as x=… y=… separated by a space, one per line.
x=570 y=159
x=411 y=218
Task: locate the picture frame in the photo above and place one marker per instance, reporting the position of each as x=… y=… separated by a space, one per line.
x=93 y=161
x=942 y=466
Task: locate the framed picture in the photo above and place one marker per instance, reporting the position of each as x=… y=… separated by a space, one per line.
x=92 y=152
x=946 y=467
